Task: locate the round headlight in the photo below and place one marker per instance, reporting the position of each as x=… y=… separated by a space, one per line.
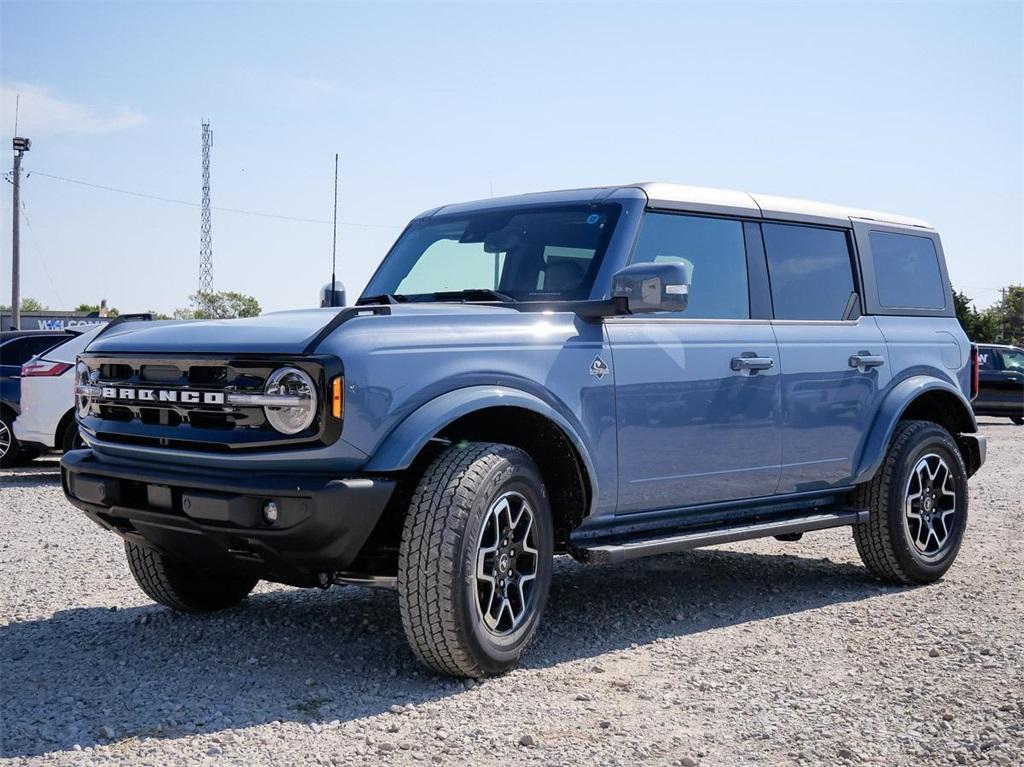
x=296 y=384
x=83 y=377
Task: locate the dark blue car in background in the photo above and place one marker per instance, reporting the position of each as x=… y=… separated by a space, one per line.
x=16 y=348
x=1000 y=382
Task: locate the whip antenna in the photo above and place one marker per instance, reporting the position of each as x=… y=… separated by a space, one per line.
x=334 y=243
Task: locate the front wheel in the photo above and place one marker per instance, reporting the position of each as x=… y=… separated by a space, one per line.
x=181 y=587
x=475 y=561
x=917 y=504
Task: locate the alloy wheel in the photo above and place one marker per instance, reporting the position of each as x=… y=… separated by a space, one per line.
x=506 y=564
x=930 y=506
x=5 y=439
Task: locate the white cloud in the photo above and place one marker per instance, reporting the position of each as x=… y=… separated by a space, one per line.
x=43 y=113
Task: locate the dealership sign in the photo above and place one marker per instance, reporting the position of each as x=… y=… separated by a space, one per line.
x=49 y=320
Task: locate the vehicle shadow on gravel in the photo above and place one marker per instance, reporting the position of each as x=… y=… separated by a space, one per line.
x=32 y=475
x=90 y=675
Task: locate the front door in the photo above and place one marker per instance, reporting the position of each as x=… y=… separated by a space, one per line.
x=698 y=393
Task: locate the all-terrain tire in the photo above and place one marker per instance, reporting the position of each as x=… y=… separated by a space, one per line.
x=182 y=588
x=885 y=542
x=452 y=512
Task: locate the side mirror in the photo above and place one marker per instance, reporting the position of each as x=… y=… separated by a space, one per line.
x=654 y=287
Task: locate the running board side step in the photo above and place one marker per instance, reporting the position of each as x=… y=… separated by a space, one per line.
x=609 y=553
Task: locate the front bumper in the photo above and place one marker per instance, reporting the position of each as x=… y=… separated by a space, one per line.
x=216 y=520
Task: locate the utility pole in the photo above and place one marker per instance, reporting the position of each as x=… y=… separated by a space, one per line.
x=21 y=145
x=205 y=222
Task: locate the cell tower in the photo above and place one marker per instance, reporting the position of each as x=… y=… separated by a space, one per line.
x=205 y=222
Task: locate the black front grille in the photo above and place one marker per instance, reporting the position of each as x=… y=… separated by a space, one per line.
x=142 y=402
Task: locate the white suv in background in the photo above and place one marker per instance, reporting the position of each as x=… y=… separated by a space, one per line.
x=47 y=419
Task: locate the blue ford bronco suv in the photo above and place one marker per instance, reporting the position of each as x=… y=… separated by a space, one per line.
x=606 y=373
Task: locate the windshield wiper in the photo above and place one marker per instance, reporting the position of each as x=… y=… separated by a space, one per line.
x=383 y=298
x=473 y=294
x=470 y=294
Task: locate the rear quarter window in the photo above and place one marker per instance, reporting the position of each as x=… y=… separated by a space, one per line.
x=907 y=272
x=18 y=351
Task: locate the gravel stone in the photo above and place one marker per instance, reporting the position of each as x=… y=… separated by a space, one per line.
x=756 y=653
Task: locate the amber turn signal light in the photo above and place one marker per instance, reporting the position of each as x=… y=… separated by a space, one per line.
x=338 y=398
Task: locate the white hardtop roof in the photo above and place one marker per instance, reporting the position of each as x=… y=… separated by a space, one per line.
x=697 y=199
x=681 y=197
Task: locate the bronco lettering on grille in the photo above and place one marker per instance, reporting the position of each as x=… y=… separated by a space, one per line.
x=185 y=397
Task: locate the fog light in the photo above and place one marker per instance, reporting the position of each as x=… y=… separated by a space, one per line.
x=270 y=512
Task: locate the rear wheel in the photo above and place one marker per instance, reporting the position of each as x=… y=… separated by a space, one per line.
x=475 y=560
x=181 y=587
x=917 y=504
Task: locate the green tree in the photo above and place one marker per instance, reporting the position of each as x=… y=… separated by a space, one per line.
x=980 y=327
x=27 y=305
x=1008 y=315
x=219 y=305
x=90 y=308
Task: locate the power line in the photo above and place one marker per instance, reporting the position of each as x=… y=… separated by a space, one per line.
x=191 y=204
x=39 y=253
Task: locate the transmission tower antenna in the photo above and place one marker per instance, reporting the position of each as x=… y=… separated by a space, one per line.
x=205 y=222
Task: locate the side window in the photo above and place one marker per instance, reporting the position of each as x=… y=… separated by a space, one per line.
x=20 y=350
x=810 y=271
x=907 y=271
x=1012 y=360
x=714 y=252
x=40 y=345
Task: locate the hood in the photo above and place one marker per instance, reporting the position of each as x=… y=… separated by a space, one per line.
x=287 y=332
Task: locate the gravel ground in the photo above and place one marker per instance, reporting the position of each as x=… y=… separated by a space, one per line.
x=763 y=652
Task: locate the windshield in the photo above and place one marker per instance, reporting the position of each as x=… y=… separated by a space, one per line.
x=518 y=254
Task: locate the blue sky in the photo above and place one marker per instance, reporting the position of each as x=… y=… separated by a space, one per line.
x=914 y=108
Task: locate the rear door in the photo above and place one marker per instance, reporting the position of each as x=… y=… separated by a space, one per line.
x=697 y=393
x=834 y=363
x=989 y=372
x=1007 y=383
